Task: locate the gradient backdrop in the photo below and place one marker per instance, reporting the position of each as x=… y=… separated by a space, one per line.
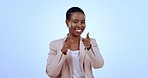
x=119 y=26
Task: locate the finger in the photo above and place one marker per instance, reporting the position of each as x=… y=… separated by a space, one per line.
x=87 y=36
x=82 y=39
x=67 y=39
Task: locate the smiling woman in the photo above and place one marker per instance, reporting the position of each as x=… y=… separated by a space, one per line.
x=74 y=56
x=76 y=23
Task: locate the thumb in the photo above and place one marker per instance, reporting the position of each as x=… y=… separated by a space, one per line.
x=83 y=39
x=87 y=36
x=67 y=39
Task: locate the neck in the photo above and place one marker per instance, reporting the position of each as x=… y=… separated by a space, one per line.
x=74 y=39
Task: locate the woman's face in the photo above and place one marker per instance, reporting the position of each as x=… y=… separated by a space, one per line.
x=76 y=24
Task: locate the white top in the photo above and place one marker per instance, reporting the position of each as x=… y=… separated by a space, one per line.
x=76 y=69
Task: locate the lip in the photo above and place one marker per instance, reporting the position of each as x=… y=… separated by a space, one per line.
x=79 y=30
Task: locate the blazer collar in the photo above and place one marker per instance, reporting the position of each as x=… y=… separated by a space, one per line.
x=82 y=54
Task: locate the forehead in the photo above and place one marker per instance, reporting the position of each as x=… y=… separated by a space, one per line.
x=77 y=15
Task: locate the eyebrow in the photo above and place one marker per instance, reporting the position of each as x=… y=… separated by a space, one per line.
x=78 y=20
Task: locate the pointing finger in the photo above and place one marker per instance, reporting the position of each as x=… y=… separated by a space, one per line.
x=67 y=39
x=83 y=39
x=87 y=36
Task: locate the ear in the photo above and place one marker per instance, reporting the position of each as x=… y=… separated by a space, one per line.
x=66 y=21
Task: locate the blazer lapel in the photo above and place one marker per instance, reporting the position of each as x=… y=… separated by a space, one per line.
x=69 y=58
x=82 y=53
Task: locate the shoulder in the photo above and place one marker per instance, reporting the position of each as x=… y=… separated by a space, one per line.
x=57 y=41
x=93 y=41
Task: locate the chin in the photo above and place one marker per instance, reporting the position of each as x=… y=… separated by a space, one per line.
x=77 y=35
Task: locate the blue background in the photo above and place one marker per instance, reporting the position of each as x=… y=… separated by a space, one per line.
x=119 y=26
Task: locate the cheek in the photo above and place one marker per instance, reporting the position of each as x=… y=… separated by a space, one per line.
x=73 y=24
x=84 y=26
x=71 y=28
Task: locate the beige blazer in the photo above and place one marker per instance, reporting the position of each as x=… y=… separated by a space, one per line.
x=60 y=65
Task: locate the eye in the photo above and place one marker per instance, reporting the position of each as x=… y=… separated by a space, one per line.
x=75 y=21
x=83 y=22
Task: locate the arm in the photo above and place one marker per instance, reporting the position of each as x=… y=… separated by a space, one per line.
x=55 y=61
x=95 y=55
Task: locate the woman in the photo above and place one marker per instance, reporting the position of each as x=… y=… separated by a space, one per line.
x=74 y=56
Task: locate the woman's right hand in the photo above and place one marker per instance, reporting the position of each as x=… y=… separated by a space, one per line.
x=66 y=46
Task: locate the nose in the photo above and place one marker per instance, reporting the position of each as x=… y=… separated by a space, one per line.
x=80 y=25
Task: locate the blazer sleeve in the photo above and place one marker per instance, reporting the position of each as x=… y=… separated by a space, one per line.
x=95 y=55
x=55 y=60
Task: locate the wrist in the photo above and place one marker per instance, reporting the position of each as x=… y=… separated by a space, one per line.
x=89 y=47
x=64 y=52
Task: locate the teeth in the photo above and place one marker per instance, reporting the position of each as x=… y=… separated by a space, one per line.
x=78 y=30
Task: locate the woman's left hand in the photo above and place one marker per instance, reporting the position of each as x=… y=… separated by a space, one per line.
x=86 y=41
